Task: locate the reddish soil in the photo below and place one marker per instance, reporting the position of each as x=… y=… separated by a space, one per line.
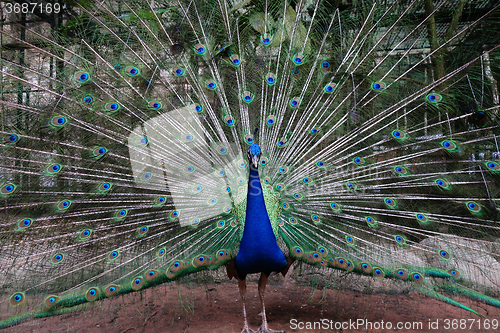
x=216 y=308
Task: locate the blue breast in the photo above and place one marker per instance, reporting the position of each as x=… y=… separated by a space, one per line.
x=258 y=251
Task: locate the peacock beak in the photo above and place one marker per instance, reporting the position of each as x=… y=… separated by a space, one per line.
x=255 y=160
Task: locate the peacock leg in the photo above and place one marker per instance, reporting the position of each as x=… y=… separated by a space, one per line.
x=243 y=288
x=262 y=288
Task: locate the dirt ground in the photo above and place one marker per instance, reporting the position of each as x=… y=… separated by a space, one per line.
x=216 y=308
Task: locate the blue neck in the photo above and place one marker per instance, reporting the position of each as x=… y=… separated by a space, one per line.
x=259 y=251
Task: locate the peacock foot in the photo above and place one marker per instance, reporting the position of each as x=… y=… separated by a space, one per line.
x=248 y=330
x=265 y=329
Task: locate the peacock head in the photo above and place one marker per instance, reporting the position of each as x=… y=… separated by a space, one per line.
x=254 y=154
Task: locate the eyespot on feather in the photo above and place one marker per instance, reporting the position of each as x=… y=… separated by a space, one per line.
x=17 y=299
x=161 y=252
x=111 y=290
x=454 y=273
x=152 y=275
x=378 y=273
x=51 y=300
x=53 y=169
x=88 y=99
x=401 y=273
x=400 y=240
x=111 y=107
x=82 y=77
x=341 y=263
x=294 y=102
x=271 y=79
x=120 y=214
x=229 y=121
x=142 y=231
x=445 y=255
x=283 y=170
x=266 y=39
x=178 y=71
x=371 y=221
x=10 y=138
x=198 y=108
x=350 y=240
x=298 y=59
x=85 y=234
x=132 y=71
x=282 y=143
x=202 y=260
x=390 y=203
x=137 y=283
x=58 y=122
x=399 y=135
x=57 y=258
x=146 y=177
x=422 y=218
x=92 y=294
x=473 y=207
x=210 y=84
x=154 y=105
x=99 y=152
x=329 y=88
x=174 y=214
x=7 y=189
x=433 y=98
x=104 y=187
x=249 y=139
x=492 y=166
x=325 y=67
x=113 y=255
x=449 y=145
x=365 y=267
x=235 y=60
x=297 y=252
x=200 y=49
x=247 y=97
x=336 y=207
x=417 y=277
x=359 y=161
x=24 y=223
x=316 y=219
x=378 y=86
x=63 y=205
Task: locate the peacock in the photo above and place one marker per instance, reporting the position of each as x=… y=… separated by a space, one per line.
x=145 y=141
